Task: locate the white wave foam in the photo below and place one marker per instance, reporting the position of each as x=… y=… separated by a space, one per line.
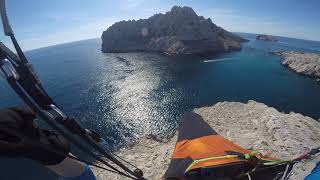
x=217 y=60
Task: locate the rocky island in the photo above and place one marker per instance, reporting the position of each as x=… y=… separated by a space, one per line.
x=177 y=32
x=307 y=64
x=264 y=37
x=250 y=125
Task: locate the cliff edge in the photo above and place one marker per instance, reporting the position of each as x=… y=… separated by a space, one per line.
x=307 y=64
x=251 y=125
x=177 y=32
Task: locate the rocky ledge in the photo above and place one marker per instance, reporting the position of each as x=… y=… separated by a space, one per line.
x=266 y=38
x=251 y=125
x=177 y=32
x=303 y=63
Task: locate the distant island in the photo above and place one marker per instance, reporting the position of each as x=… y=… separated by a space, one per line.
x=178 y=32
x=265 y=37
x=303 y=63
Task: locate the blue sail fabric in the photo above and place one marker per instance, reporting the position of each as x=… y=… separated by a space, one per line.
x=315 y=173
x=86 y=175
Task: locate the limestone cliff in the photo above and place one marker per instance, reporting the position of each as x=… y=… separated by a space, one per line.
x=177 y=32
x=307 y=64
x=252 y=125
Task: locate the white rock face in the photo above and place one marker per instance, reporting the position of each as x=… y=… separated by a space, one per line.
x=252 y=125
x=303 y=63
x=178 y=32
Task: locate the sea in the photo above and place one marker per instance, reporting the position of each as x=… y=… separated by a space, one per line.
x=124 y=96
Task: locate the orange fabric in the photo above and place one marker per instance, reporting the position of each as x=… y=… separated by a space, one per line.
x=207 y=146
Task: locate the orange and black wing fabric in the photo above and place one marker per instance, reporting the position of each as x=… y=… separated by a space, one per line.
x=200 y=147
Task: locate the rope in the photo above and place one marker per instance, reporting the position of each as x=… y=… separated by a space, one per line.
x=89 y=163
x=262 y=160
x=248 y=156
x=308 y=154
x=303 y=164
x=124 y=160
x=209 y=158
x=285 y=172
x=249 y=177
x=104 y=141
x=32 y=93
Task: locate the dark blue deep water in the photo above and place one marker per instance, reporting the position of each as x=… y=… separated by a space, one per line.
x=124 y=96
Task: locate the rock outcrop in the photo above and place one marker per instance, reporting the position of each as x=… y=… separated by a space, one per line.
x=303 y=63
x=266 y=38
x=252 y=125
x=177 y=32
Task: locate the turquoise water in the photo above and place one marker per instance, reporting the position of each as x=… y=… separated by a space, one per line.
x=125 y=96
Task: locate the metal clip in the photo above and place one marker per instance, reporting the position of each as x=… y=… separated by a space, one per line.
x=9 y=69
x=56 y=112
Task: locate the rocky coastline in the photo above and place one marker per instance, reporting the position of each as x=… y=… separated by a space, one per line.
x=178 y=32
x=307 y=64
x=251 y=125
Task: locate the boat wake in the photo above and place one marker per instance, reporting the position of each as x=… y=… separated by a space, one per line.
x=217 y=60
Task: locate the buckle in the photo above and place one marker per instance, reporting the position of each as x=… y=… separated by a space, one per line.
x=56 y=113
x=8 y=69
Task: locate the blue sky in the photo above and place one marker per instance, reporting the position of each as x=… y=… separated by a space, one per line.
x=40 y=23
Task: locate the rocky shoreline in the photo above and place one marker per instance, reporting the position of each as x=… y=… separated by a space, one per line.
x=307 y=64
x=178 y=32
x=251 y=125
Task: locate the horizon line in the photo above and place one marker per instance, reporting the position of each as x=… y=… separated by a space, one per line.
x=28 y=50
